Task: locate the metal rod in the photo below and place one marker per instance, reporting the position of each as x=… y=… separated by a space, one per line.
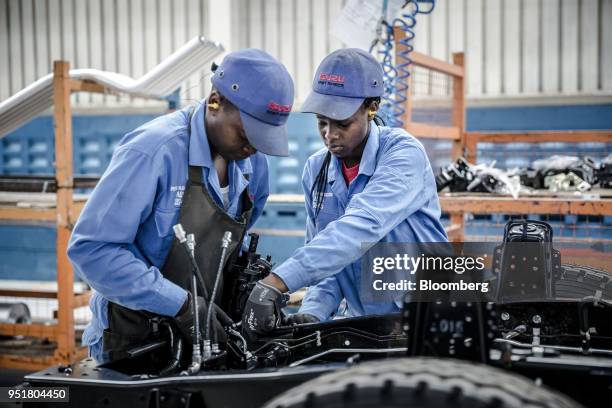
x=349 y=350
x=559 y=348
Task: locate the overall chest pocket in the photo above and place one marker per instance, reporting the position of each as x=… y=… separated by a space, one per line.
x=330 y=211
x=164 y=219
x=156 y=233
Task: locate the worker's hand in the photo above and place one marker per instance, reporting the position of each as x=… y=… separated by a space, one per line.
x=260 y=312
x=301 y=318
x=186 y=324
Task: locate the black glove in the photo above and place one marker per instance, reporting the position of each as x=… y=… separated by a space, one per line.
x=301 y=318
x=186 y=324
x=260 y=312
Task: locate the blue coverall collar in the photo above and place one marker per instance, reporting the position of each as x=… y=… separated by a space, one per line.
x=367 y=165
x=199 y=149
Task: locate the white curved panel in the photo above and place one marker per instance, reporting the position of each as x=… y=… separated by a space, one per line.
x=157 y=83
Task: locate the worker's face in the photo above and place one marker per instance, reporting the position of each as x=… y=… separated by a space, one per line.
x=346 y=139
x=225 y=131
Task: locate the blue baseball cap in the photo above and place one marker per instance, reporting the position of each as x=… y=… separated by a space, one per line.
x=262 y=89
x=344 y=79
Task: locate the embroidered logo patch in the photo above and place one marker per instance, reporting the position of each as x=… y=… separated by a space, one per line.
x=315 y=200
x=178 y=194
x=278 y=109
x=331 y=79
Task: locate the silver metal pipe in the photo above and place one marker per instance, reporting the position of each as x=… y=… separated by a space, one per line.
x=225 y=241
x=348 y=350
x=196 y=355
x=559 y=348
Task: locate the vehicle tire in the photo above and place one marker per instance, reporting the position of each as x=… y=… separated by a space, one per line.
x=577 y=282
x=420 y=382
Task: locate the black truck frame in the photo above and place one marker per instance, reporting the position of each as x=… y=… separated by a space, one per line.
x=559 y=342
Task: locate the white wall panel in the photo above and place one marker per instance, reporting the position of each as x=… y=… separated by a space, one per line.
x=29 y=41
x=492 y=29
x=287 y=52
x=67 y=34
x=165 y=20
x=43 y=61
x=456 y=25
x=552 y=48
x=511 y=47
x=123 y=37
x=179 y=28
x=550 y=22
x=272 y=23
x=334 y=8
x=150 y=24
x=191 y=92
x=81 y=58
x=530 y=47
x=475 y=45
x=15 y=57
x=588 y=46
x=5 y=45
x=67 y=30
x=204 y=8
x=255 y=19
x=305 y=65
x=54 y=38
x=569 y=50
x=94 y=21
x=320 y=32
x=238 y=19
x=136 y=37
x=109 y=43
x=605 y=45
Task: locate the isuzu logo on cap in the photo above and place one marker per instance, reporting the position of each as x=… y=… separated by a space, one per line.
x=278 y=109
x=331 y=79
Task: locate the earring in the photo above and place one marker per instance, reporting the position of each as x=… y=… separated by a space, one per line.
x=213 y=105
x=371 y=114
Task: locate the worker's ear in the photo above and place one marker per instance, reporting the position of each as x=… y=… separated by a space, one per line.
x=374 y=105
x=213 y=103
x=372 y=110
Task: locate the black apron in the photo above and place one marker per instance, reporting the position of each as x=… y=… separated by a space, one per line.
x=200 y=215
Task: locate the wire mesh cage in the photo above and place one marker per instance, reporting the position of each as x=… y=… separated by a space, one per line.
x=432 y=103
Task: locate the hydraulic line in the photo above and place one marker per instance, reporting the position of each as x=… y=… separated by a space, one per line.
x=397 y=75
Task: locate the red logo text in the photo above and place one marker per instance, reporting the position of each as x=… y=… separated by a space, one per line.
x=338 y=79
x=276 y=107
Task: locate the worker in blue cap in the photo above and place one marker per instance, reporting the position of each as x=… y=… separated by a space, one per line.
x=369 y=184
x=202 y=167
